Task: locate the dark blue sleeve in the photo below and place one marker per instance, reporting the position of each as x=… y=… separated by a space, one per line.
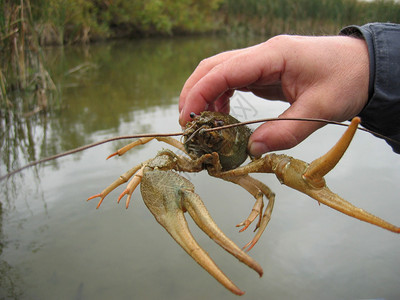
x=382 y=112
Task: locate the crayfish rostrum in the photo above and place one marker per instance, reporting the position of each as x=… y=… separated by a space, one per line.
x=221 y=152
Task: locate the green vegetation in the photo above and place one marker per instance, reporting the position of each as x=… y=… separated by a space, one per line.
x=26 y=26
x=21 y=61
x=270 y=17
x=66 y=21
x=81 y=21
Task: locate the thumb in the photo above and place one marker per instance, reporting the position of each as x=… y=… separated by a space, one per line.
x=285 y=134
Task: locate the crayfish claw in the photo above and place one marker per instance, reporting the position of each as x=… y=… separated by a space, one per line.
x=126 y=191
x=132 y=185
x=98 y=204
x=200 y=215
x=259 y=231
x=95 y=196
x=168 y=195
x=318 y=168
x=256 y=211
x=122 y=179
x=111 y=155
x=128 y=200
x=245 y=225
x=264 y=219
x=258 y=190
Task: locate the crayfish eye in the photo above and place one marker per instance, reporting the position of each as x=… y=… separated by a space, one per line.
x=193 y=115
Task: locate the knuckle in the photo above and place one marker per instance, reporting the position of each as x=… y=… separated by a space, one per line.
x=279 y=40
x=204 y=62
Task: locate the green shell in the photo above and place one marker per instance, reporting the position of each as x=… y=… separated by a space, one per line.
x=230 y=144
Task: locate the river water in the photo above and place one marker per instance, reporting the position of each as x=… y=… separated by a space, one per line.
x=55 y=245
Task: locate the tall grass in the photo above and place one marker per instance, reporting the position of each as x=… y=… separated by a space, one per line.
x=22 y=68
x=381 y=11
x=27 y=25
x=24 y=82
x=305 y=16
x=77 y=21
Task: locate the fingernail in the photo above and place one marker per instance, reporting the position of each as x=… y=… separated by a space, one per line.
x=257 y=148
x=180 y=117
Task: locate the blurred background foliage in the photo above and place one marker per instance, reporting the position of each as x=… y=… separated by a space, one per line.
x=26 y=26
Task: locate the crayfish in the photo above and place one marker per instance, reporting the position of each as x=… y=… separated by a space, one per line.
x=221 y=152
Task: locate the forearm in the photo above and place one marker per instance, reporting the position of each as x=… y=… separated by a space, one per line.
x=382 y=112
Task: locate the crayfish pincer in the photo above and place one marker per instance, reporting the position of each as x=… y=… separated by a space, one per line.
x=221 y=152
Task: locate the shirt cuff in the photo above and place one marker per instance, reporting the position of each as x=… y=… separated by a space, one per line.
x=382 y=112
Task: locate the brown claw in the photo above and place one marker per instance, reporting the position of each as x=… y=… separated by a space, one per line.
x=123 y=178
x=168 y=195
x=95 y=196
x=245 y=225
x=122 y=195
x=128 y=200
x=255 y=212
x=258 y=190
x=111 y=155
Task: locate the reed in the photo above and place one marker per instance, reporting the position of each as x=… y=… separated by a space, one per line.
x=305 y=16
x=25 y=26
x=22 y=68
x=381 y=11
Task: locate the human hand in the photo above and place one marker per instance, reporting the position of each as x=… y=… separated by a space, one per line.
x=321 y=77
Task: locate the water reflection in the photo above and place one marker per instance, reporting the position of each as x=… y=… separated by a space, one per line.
x=56 y=245
x=100 y=86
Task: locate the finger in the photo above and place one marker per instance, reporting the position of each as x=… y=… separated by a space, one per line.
x=202 y=69
x=273 y=136
x=222 y=104
x=254 y=69
x=271 y=92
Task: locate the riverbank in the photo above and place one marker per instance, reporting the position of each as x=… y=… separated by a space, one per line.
x=27 y=26
x=60 y=22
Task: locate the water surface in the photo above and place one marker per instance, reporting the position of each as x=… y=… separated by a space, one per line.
x=55 y=245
